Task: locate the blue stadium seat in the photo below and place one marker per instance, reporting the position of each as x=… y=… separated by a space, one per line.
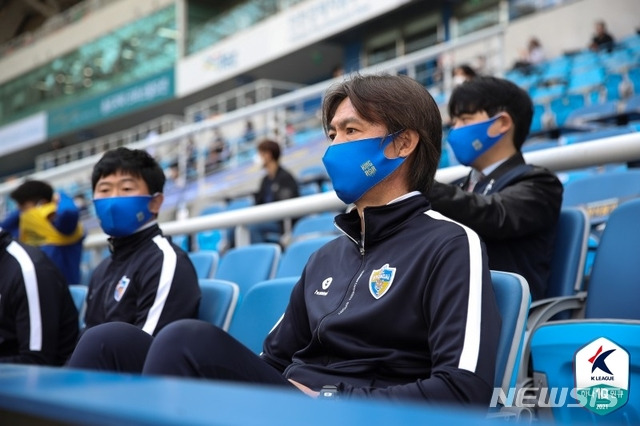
x=592 y=112
x=513 y=298
x=600 y=193
x=612 y=86
x=600 y=133
x=218 y=303
x=553 y=349
x=248 y=265
x=296 y=255
x=562 y=107
x=634 y=77
x=538 y=144
x=260 y=311
x=537 y=123
x=314 y=225
x=213 y=239
x=569 y=253
x=205 y=262
x=544 y=94
x=583 y=81
x=79 y=296
x=610 y=311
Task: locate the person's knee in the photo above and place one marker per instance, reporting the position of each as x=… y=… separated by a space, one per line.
x=99 y=345
x=178 y=343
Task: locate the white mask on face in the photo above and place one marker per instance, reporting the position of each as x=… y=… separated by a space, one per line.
x=458 y=80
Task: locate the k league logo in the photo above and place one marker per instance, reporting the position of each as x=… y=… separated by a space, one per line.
x=602 y=376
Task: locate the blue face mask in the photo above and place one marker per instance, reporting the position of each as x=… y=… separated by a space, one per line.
x=357 y=166
x=471 y=141
x=122 y=216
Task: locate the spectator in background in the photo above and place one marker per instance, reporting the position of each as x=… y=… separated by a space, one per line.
x=601 y=40
x=277 y=185
x=147 y=281
x=462 y=73
x=400 y=309
x=51 y=222
x=532 y=56
x=513 y=206
x=38 y=319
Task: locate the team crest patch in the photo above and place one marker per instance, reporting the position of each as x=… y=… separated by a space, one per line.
x=380 y=280
x=121 y=288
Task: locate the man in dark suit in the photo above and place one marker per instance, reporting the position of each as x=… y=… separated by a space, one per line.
x=512 y=205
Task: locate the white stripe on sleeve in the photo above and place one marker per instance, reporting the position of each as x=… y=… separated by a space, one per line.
x=471 y=346
x=166 y=278
x=33 y=296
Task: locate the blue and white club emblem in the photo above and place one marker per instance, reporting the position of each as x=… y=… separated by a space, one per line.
x=121 y=288
x=380 y=280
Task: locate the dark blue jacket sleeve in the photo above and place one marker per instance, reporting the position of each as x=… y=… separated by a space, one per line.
x=11 y=223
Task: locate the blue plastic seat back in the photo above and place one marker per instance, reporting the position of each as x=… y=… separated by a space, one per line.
x=218 y=303
x=553 y=349
x=569 y=253
x=79 y=296
x=600 y=193
x=513 y=299
x=562 y=107
x=248 y=265
x=205 y=262
x=314 y=225
x=261 y=309
x=614 y=284
x=593 y=112
x=297 y=254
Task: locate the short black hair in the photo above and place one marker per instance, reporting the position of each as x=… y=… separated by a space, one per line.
x=32 y=191
x=270 y=146
x=135 y=162
x=494 y=95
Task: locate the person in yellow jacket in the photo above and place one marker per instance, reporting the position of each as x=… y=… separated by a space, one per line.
x=49 y=221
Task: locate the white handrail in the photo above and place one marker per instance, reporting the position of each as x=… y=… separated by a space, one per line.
x=615 y=149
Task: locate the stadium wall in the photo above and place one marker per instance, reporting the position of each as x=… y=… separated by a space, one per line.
x=65 y=40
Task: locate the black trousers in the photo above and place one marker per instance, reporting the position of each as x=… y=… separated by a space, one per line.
x=184 y=348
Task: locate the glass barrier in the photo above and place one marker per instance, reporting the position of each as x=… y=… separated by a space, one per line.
x=128 y=54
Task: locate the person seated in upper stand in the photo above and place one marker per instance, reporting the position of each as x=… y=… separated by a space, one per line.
x=51 y=222
x=601 y=40
x=38 y=320
x=513 y=206
x=147 y=281
x=400 y=307
x=277 y=185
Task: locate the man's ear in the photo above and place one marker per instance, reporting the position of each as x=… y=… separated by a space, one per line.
x=406 y=142
x=502 y=125
x=155 y=203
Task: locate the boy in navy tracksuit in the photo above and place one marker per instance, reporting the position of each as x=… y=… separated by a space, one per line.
x=400 y=307
x=147 y=281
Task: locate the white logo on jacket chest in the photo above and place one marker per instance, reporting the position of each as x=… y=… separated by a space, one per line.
x=121 y=288
x=325 y=285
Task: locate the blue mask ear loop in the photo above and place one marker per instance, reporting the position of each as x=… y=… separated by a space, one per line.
x=385 y=144
x=154 y=195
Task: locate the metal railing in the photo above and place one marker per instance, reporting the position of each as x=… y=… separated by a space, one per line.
x=410 y=64
x=148 y=129
x=618 y=149
x=257 y=91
